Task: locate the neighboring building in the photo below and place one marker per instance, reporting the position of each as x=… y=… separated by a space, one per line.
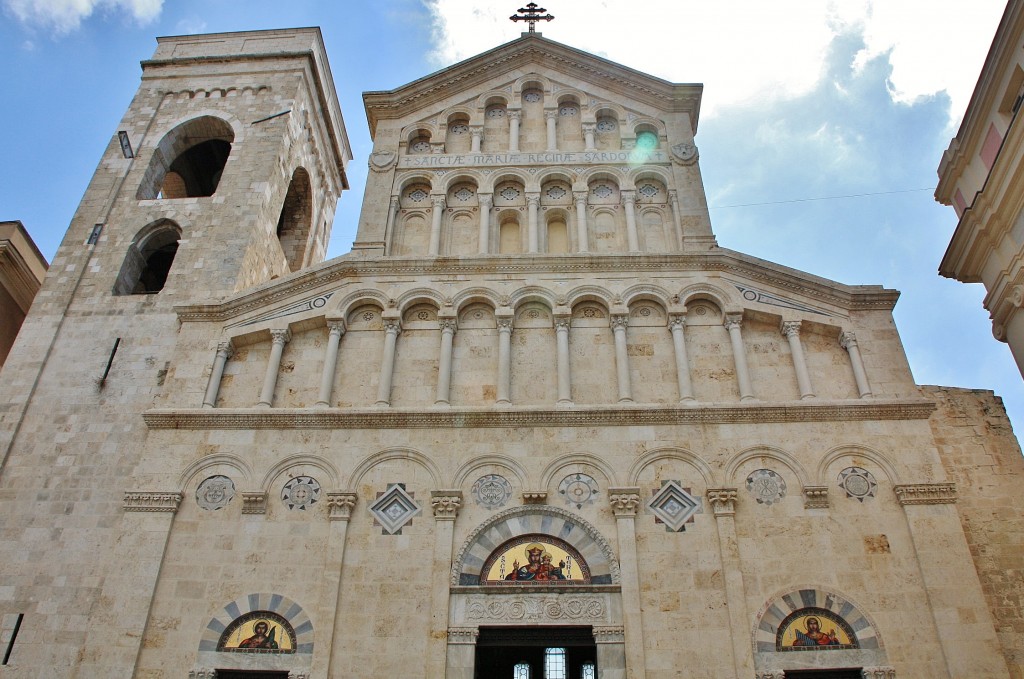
x=537 y=424
x=21 y=273
x=982 y=176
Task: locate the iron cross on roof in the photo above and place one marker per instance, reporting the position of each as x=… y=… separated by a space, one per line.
x=532 y=14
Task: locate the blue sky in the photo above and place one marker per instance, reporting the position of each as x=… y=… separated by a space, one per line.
x=802 y=101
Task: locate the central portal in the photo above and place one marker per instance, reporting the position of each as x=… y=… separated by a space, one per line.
x=536 y=653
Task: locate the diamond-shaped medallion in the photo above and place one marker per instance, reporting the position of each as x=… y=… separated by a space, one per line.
x=394 y=508
x=674 y=506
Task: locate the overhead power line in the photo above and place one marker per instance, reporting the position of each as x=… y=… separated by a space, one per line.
x=807 y=200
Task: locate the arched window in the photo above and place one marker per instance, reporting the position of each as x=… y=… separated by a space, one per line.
x=148 y=260
x=294 y=223
x=189 y=161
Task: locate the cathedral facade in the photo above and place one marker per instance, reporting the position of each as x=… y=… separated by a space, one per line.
x=538 y=424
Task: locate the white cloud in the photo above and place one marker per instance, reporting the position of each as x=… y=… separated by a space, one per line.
x=744 y=51
x=64 y=16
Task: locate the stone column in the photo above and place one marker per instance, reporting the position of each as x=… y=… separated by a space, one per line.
x=625 y=502
x=389 y=225
x=954 y=594
x=732 y=324
x=562 y=339
x=224 y=352
x=588 y=135
x=392 y=328
x=504 y=386
x=478 y=133
x=582 y=238
x=435 y=225
x=461 y=653
x=336 y=328
x=677 y=217
x=339 y=507
x=533 y=232
x=629 y=202
x=848 y=341
x=446 y=505
x=485 y=222
x=551 y=118
x=278 y=339
x=611 y=652
x=723 y=503
x=619 y=323
x=444 y=364
x=513 y=130
x=791 y=329
x=676 y=325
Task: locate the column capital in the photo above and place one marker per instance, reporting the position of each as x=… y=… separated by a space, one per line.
x=340 y=505
x=618 y=321
x=449 y=324
x=589 y=127
x=225 y=349
x=151 y=501
x=446 y=504
x=463 y=636
x=673 y=195
x=815 y=497
x=562 y=323
x=847 y=339
x=504 y=323
x=723 y=501
x=580 y=196
x=790 y=328
x=486 y=200
x=254 y=502
x=392 y=325
x=281 y=336
x=393 y=204
x=926 y=493
x=437 y=200
x=514 y=114
x=733 y=321
x=628 y=196
x=550 y=114
x=677 y=320
x=476 y=130
x=624 y=501
x=609 y=635
x=336 y=325
x=532 y=198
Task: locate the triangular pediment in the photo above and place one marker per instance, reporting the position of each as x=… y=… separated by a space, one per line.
x=532 y=53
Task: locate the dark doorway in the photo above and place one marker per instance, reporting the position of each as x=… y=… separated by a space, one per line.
x=250 y=674
x=536 y=653
x=848 y=673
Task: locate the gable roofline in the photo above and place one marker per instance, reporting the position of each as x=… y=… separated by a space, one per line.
x=636 y=85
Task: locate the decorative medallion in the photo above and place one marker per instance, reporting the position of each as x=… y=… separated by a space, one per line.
x=556 y=192
x=463 y=194
x=858 y=483
x=684 y=153
x=578 y=490
x=606 y=125
x=492 y=491
x=215 y=492
x=421 y=146
x=459 y=128
x=509 y=193
x=394 y=508
x=568 y=111
x=496 y=112
x=648 y=190
x=417 y=195
x=603 y=191
x=646 y=140
x=301 y=492
x=766 y=486
x=674 y=506
x=531 y=96
x=381 y=161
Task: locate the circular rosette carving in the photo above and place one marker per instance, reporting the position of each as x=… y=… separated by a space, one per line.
x=516 y=610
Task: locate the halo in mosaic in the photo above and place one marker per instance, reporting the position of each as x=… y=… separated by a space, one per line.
x=578 y=490
x=766 y=486
x=215 y=492
x=301 y=492
x=858 y=483
x=492 y=491
x=674 y=506
x=394 y=509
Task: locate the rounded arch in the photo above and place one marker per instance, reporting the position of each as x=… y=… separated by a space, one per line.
x=549 y=473
x=462 y=177
x=646 y=291
x=785 y=602
x=407 y=180
x=407 y=454
x=531 y=293
x=358 y=298
x=605 y=108
x=189 y=159
x=678 y=454
x=492 y=98
x=475 y=295
x=712 y=293
x=531 y=81
x=415 y=296
x=216 y=460
x=420 y=129
x=316 y=461
x=590 y=293
x=506 y=176
x=264 y=601
x=650 y=172
x=454 y=113
x=503 y=461
x=551 y=174
x=296 y=219
x=646 y=122
x=578 y=532
x=570 y=93
x=770 y=452
x=148 y=260
x=859 y=451
x=603 y=172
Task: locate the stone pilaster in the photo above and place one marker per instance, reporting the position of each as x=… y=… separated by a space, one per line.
x=611 y=652
x=551 y=120
x=723 y=504
x=562 y=322
x=339 y=511
x=461 y=652
x=624 y=503
x=503 y=316
x=446 y=504
x=532 y=224
x=677 y=217
x=514 y=116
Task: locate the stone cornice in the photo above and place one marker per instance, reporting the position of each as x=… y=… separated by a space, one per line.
x=516 y=54
x=344 y=269
x=584 y=416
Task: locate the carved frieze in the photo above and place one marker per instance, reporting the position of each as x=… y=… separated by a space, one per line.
x=145 y=501
x=926 y=493
x=463 y=635
x=537 y=608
